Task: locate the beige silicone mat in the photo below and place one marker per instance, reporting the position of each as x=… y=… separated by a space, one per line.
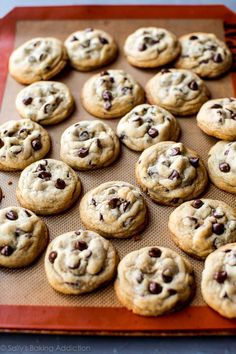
x=29 y=285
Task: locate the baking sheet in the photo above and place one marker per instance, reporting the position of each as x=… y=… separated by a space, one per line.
x=29 y=286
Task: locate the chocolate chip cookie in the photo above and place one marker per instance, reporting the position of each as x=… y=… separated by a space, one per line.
x=205 y=54
x=221 y=165
x=111 y=94
x=179 y=91
x=150 y=47
x=200 y=226
x=89 y=144
x=90 y=48
x=48 y=187
x=114 y=209
x=21 y=143
x=37 y=59
x=154 y=280
x=79 y=262
x=218 y=118
x=219 y=279
x=146 y=125
x=170 y=173
x=45 y=102
x=23 y=237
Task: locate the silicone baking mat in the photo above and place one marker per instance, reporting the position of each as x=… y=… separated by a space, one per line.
x=26 y=290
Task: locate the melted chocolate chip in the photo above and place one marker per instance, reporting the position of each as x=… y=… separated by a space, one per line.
x=107 y=95
x=60 y=183
x=45 y=175
x=138 y=120
x=103 y=40
x=197 y=203
x=27 y=101
x=167 y=276
x=172 y=292
x=12 y=215
x=107 y=105
x=194 y=161
x=218 y=229
x=224 y=167
x=52 y=256
x=154 y=288
x=192 y=38
x=216 y=105
x=6 y=251
x=83 y=152
x=175 y=151
x=75 y=266
x=1 y=143
x=220 y=276
x=81 y=245
x=28 y=213
x=174 y=174
x=124 y=206
x=193 y=85
x=218 y=58
x=142 y=47
x=84 y=135
x=155 y=252
x=43 y=56
x=40 y=167
x=153 y=132
x=36 y=144
x=114 y=203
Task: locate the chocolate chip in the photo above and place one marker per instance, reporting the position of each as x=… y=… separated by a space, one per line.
x=220 y=276
x=127 y=90
x=36 y=144
x=138 y=120
x=84 y=135
x=112 y=80
x=167 y=276
x=81 y=245
x=1 y=143
x=153 y=133
x=114 y=203
x=197 y=203
x=142 y=47
x=107 y=95
x=124 y=206
x=193 y=85
x=164 y=71
x=155 y=252
x=194 y=161
x=192 y=38
x=139 y=278
x=18 y=232
x=75 y=266
x=103 y=73
x=154 y=288
x=233 y=116
x=218 y=229
x=204 y=61
x=27 y=101
x=45 y=175
x=47 y=108
x=28 y=213
x=101 y=217
x=174 y=174
x=7 y=251
x=224 y=167
x=107 y=105
x=175 y=151
x=85 y=43
x=52 y=256
x=218 y=215
x=83 y=152
x=226 y=152
x=74 y=38
x=103 y=40
x=217 y=58
x=172 y=292
x=93 y=201
x=40 y=167
x=60 y=183
x=216 y=105
x=12 y=215
x=43 y=56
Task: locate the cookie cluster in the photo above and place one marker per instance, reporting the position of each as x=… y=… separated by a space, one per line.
x=152 y=280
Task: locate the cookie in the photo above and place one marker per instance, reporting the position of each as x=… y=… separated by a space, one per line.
x=37 y=59
x=153 y=281
x=21 y=143
x=23 y=237
x=170 y=173
x=218 y=118
x=200 y=226
x=150 y=47
x=218 y=280
x=48 y=187
x=114 y=209
x=205 y=54
x=79 y=262
x=90 y=49
x=89 y=144
x=221 y=165
x=45 y=102
x=146 y=125
x=111 y=94
x=179 y=91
